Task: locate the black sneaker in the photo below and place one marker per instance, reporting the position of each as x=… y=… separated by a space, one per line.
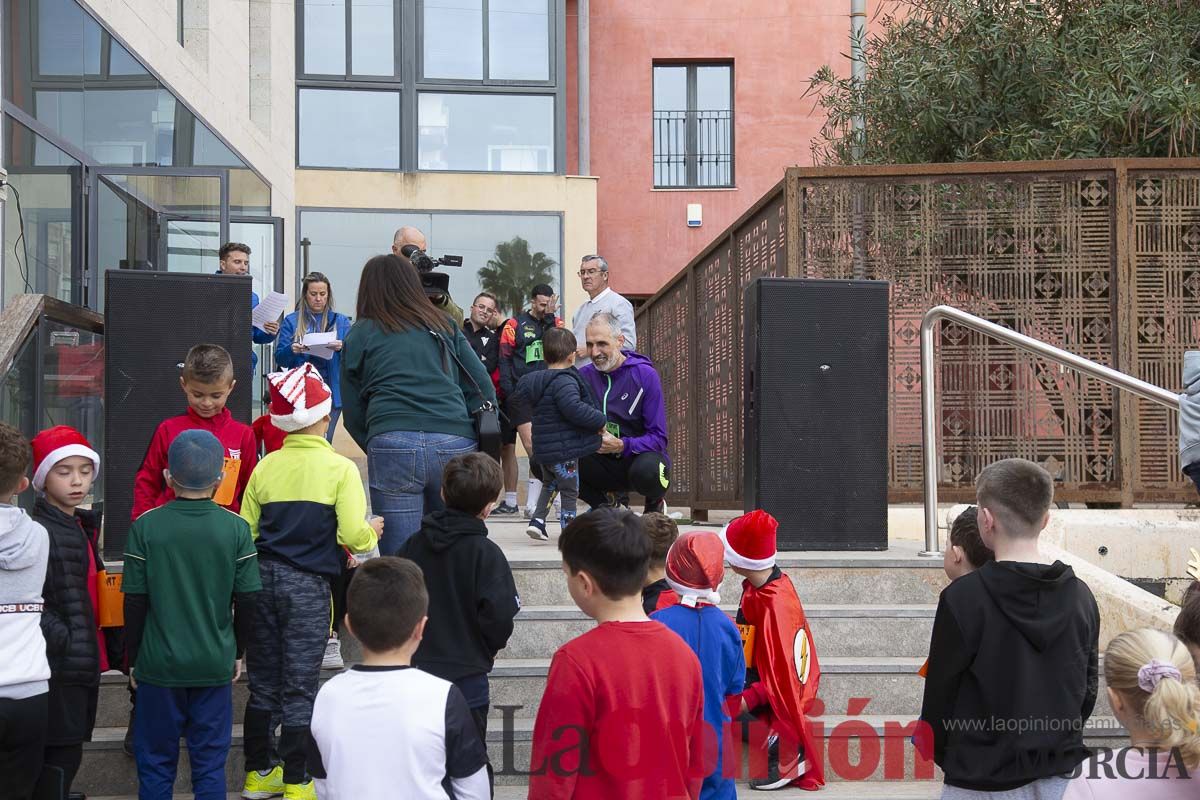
x=778 y=776
x=537 y=530
x=505 y=509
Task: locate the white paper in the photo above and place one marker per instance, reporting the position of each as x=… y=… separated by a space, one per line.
x=317 y=344
x=269 y=309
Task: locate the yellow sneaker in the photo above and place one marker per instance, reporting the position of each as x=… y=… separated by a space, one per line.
x=262 y=787
x=300 y=791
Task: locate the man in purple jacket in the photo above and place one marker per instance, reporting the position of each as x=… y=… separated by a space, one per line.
x=633 y=450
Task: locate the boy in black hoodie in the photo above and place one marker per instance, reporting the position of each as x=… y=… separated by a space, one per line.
x=472 y=596
x=1014 y=655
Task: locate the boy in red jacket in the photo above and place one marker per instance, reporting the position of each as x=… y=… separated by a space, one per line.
x=623 y=711
x=782 y=673
x=207 y=381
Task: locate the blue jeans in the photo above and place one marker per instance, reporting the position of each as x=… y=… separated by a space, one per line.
x=334 y=416
x=404 y=471
x=204 y=716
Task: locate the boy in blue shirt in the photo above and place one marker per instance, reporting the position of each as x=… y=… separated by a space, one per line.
x=695 y=567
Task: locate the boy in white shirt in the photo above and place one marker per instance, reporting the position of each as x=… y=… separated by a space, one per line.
x=383 y=727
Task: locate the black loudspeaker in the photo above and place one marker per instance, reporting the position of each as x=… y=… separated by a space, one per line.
x=151 y=320
x=816 y=404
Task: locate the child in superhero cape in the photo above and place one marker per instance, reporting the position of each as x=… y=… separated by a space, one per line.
x=695 y=565
x=782 y=673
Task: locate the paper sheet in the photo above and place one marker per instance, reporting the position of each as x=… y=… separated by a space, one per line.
x=269 y=309
x=318 y=344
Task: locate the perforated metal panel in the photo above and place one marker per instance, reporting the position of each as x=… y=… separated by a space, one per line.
x=151 y=321
x=816 y=411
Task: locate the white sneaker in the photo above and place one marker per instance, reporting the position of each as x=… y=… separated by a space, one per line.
x=333 y=654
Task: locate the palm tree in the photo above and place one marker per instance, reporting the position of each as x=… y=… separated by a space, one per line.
x=513 y=271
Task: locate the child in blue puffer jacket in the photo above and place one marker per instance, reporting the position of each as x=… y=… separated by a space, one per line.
x=567 y=422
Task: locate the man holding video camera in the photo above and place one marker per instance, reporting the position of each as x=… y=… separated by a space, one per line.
x=410 y=243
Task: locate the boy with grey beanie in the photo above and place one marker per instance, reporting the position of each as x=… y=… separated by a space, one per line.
x=24 y=670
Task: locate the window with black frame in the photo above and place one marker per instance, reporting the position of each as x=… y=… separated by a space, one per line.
x=479 y=91
x=693 y=126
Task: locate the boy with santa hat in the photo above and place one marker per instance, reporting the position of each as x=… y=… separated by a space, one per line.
x=64 y=467
x=303 y=503
x=695 y=566
x=782 y=673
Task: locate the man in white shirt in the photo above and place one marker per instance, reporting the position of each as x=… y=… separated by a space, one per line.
x=593 y=274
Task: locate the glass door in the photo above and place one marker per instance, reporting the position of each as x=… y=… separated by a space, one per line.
x=264 y=236
x=151 y=218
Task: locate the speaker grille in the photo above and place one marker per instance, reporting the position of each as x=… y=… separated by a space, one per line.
x=151 y=320
x=816 y=419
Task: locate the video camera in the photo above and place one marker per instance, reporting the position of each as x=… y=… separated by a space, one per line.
x=435 y=284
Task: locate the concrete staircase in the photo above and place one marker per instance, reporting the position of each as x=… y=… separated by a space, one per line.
x=870 y=613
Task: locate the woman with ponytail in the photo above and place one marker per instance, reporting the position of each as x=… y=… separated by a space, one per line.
x=314 y=314
x=1153 y=691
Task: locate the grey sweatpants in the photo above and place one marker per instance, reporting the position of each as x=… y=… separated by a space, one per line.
x=1041 y=789
x=283 y=663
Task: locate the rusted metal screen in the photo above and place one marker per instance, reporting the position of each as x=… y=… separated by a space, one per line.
x=1098 y=257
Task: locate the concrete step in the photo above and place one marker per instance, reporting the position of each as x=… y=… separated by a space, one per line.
x=107 y=770
x=897 y=576
x=839 y=630
x=844 y=790
x=891 y=685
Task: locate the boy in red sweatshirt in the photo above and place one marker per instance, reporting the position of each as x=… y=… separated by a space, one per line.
x=207 y=381
x=623 y=711
x=782 y=673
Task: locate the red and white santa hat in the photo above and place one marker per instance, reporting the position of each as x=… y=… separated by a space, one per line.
x=695 y=567
x=299 y=398
x=53 y=445
x=750 y=540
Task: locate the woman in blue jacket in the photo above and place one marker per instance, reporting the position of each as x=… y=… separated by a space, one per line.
x=314 y=314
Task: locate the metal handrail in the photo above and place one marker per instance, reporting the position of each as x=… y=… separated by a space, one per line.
x=1147 y=391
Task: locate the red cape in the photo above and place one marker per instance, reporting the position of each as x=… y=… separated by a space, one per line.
x=783 y=638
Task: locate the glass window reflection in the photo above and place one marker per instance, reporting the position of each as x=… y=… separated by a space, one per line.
x=349 y=129
x=341 y=242
x=452 y=39
x=325 y=37
x=477 y=132
x=372 y=39
x=519 y=40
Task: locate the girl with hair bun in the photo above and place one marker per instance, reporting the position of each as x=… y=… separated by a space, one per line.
x=1153 y=691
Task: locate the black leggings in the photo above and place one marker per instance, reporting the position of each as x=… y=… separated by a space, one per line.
x=648 y=474
x=22 y=742
x=59 y=765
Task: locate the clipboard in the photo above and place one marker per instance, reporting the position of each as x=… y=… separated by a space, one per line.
x=229 y=479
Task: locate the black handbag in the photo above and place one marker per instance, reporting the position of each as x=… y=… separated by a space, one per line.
x=486 y=414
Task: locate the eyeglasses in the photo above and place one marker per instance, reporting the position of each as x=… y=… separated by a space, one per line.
x=587 y=273
x=483 y=307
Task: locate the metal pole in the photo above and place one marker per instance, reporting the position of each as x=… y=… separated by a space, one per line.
x=858 y=69
x=583 y=88
x=1140 y=388
x=858 y=74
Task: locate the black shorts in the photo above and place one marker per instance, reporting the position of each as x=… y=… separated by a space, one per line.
x=516 y=413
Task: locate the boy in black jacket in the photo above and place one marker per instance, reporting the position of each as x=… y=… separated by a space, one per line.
x=472 y=596
x=567 y=422
x=64 y=467
x=1013 y=658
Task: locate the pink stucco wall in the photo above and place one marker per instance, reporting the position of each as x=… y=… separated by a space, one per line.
x=775 y=47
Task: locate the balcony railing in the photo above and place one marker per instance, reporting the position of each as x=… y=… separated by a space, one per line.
x=693 y=149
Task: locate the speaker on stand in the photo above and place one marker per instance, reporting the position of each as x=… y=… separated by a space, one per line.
x=151 y=320
x=816 y=410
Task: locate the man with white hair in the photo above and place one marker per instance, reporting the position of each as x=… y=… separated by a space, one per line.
x=633 y=449
x=410 y=235
x=593 y=274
